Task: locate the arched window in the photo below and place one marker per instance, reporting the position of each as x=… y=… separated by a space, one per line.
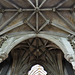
x=37 y=70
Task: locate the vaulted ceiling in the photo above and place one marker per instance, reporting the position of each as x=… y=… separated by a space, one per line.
x=56 y=17
x=53 y=17
x=37 y=51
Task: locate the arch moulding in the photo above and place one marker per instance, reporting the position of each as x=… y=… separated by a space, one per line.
x=61 y=42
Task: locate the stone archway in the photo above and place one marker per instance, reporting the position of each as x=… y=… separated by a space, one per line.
x=37 y=51
x=59 y=41
x=48 y=19
x=14 y=41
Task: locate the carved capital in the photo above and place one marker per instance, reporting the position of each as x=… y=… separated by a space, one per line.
x=3 y=56
x=71 y=59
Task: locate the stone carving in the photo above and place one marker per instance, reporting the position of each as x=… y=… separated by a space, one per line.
x=72 y=41
x=71 y=59
x=68 y=52
x=2 y=39
x=3 y=56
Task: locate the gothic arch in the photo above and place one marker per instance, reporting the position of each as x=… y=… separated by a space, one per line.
x=10 y=43
x=49 y=19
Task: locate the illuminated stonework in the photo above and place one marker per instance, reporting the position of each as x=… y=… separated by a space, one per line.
x=37 y=70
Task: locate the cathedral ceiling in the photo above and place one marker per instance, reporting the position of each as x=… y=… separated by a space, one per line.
x=37 y=51
x=56 y=17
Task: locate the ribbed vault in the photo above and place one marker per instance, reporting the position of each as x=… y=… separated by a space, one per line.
x=40 y=16
x=21 y=19
x=37 y=51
